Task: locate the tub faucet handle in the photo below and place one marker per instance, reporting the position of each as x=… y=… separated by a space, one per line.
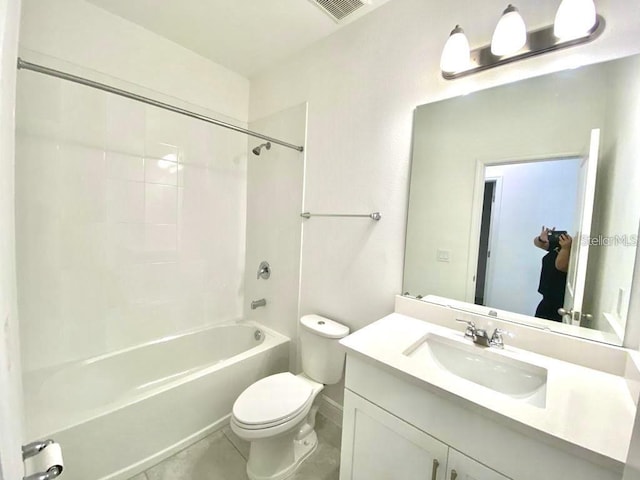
x=264 y=270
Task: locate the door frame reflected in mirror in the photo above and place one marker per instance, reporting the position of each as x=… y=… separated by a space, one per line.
x=537 y=189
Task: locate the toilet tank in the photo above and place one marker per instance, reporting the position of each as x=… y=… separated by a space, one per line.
x=322 y=356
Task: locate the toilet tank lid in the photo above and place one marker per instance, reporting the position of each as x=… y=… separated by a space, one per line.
x=324 y=327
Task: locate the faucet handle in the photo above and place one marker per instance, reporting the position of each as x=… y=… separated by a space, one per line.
x=501 y=331
x=496 y=338
x=468 y=322
x=264 y=270
x=471 y=327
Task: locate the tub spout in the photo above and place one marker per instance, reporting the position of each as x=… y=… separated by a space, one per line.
x=258 y=303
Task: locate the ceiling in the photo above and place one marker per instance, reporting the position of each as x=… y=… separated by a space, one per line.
x=245 y=36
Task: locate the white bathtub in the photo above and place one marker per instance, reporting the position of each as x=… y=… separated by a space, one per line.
x=117 y=414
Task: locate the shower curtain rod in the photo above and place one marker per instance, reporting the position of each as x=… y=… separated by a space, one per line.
x=22 y=64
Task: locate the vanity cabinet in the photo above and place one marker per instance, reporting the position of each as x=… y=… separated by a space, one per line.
x=461 y=467
x=380 y=446
x=397 y=427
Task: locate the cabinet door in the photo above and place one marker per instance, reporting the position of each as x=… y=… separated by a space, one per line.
x=461 y=467
x=379 y=446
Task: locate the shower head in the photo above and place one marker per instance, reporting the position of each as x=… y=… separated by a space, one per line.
x=256 y=151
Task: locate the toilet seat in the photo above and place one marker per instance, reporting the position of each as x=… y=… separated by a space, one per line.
x=273 y=401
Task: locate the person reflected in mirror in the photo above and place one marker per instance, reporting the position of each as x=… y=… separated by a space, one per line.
x=553 y=275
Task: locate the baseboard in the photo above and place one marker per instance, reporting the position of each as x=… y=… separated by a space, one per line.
x=331 y=410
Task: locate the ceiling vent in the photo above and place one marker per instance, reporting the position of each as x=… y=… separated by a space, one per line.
x=339 y=9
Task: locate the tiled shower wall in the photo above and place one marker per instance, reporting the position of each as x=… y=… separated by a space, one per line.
x=275 y=181
x=130 y=221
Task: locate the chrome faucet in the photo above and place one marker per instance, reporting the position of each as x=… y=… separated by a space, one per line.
x=496 y=339
x=481 y=337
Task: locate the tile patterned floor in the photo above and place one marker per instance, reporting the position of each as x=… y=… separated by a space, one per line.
x=223 y=456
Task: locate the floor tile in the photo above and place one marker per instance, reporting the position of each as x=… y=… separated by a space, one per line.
x=328 y=431
x=213 y=458
x=222 y=456
x=323 y=464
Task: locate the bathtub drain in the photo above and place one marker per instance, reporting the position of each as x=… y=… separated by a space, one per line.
x=258 y=335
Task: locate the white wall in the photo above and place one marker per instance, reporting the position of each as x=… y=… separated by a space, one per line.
x=274 y=181
x=632 y=468
x=11 y=412
x=532 y=195
x=619 y=214
x=131 y=219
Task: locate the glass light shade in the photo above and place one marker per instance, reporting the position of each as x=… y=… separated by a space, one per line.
x=510 y=34
x=574 y=19
x=456 y=54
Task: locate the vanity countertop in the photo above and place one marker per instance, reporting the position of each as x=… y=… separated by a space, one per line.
x=587 y=408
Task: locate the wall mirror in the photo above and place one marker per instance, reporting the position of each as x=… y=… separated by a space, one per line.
x=489 y=169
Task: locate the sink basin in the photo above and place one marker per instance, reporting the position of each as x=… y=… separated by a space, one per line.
x=483 y=366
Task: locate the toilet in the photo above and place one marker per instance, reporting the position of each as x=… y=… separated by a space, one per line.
x=276 y=414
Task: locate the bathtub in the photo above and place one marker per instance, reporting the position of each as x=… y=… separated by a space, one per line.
x=116 y=415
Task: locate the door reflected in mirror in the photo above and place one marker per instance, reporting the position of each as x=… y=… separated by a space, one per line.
x=519 y=199
x=467 y=149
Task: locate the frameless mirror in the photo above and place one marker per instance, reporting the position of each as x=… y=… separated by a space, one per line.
x=491 y=168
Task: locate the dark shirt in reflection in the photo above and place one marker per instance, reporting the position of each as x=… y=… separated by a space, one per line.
x=551 y=287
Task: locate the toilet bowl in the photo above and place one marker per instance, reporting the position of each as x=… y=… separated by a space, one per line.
x=276 y=414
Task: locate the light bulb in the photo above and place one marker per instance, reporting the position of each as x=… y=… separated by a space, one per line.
x=455 y=54
x=574 y=19
x=510 y=34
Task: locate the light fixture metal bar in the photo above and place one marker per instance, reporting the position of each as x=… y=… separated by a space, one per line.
x=538 y=42
x=22 y=64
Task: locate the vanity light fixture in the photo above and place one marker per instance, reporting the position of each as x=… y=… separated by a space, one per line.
x=576 y=22
x=510 y=34
x=574 y=19
x=456 y=52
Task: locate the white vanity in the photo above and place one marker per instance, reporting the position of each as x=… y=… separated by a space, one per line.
x=422 y=401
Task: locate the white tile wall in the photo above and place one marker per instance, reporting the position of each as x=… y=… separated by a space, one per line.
x=82 y=115
x=125 y=201
x=121 y=166
x=124 y=136
x=160 y=203
x=130 y=221
x=274 y=225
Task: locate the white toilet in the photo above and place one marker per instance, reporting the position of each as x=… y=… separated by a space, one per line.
x=276 y=414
